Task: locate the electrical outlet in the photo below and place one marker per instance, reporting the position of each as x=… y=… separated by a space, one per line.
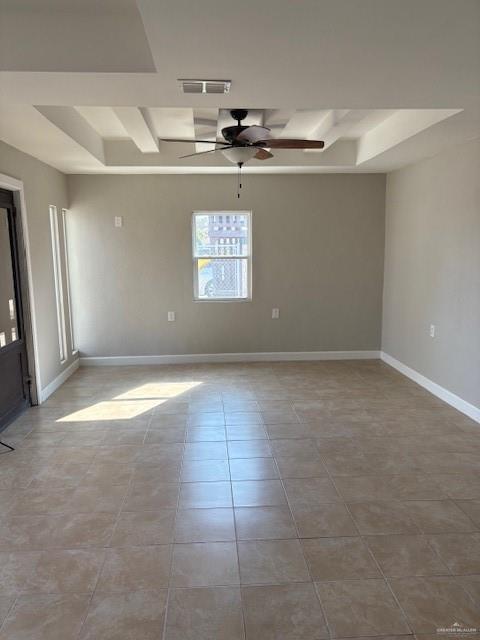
x=171 y=316
x=275 y=314
x=432 y=331
x=119 y=221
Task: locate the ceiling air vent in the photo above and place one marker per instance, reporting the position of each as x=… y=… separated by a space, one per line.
x=204 y=86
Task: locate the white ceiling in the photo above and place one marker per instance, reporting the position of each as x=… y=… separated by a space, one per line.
x=91 y=85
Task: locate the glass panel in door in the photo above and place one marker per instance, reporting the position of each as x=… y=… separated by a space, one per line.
x=8 y=308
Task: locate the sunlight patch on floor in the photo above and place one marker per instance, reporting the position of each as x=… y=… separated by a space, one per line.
x=158 y=390
x=132 y=403
x=112 y=410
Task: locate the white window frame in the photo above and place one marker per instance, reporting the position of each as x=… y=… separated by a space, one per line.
x=247 y=257
x=73 y=348
x=58 y=281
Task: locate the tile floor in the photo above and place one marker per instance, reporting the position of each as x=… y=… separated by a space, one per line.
x=287 y=501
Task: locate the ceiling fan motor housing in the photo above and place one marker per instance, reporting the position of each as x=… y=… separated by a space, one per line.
x=230 y=134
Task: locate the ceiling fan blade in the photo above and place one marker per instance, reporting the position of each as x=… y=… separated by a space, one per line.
x=201 y=153
x=290 y=143
x=193 y=141
x=253 y=133
x=263 y=154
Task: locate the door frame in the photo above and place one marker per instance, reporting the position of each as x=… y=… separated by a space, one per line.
x=25 y=265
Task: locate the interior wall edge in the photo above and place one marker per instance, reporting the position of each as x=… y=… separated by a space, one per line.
x=57 y=382
x=440 y=392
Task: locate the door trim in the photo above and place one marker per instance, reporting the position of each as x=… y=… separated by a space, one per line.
x=30 y=326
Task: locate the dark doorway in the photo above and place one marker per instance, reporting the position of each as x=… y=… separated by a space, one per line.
x=14 y=375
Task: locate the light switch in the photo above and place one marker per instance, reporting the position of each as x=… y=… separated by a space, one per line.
x=171 y=316
x=275 y=314
x=432 y=330
x=119 y=221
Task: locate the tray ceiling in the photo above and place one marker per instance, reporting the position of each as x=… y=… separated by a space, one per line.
x=91 y=86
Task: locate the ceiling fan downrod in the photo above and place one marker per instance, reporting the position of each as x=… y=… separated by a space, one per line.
x=239 y=115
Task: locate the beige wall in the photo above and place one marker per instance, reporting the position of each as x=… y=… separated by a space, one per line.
x=432 y=269
x=318 y=244
x=43 y=186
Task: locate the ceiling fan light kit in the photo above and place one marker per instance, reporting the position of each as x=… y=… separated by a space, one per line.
x=239 y=154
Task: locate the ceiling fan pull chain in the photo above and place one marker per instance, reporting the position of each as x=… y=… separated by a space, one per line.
x=240 y=164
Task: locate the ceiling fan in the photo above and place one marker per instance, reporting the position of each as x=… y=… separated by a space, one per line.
x=245 y=142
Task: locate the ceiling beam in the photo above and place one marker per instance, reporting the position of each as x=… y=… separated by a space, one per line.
x=205 y=122
x=103 y=120
x=303 y=123
x=68 y=120
x=24 y=127
x=340 y=121
x=276 y=119
x=328 y=125
x=400 y=126
x=138 y=125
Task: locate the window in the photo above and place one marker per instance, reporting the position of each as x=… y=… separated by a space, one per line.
x=57 y=275
x=222 y=255
x=67 y=277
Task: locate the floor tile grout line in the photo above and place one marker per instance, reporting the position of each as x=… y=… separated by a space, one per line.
x=354 y=524
x=385 y=579
x=246 y=584
x=170 y=572
x=455 y=502
x=322 y=608
x=406 y=619
x=437 y=554
x=244 y=625
x=10 y=610
x=106 y=549
x=471 y=597
x=150 y=418
x=312 y=582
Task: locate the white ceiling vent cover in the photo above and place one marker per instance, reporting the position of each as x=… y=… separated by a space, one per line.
x=204 y=86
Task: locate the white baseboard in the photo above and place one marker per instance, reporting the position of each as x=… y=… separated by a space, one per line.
x=447 y=396
x=276 y=356
x=47 y=391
